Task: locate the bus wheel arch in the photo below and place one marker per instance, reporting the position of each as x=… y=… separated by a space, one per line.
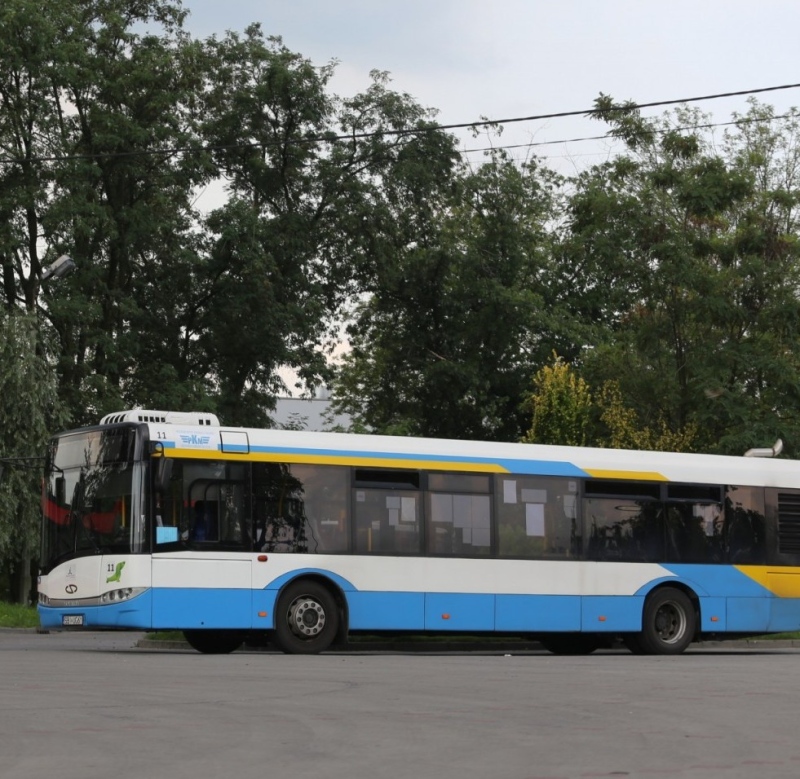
x=310 y=615
x=670 y=620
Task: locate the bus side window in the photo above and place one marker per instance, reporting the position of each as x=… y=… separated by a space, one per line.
x=459 y=514
x=537 y=517
x=387 y=521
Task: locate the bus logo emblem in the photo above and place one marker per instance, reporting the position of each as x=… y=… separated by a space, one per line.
x=71 y=589
x=194 y=439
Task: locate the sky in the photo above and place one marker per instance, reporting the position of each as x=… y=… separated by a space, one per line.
x=517 y=58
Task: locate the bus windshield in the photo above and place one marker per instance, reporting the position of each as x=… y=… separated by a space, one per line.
x=89 y=498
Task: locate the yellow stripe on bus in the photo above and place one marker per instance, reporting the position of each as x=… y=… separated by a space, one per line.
x=329 y=459
x=783 y=582
x=601 y=473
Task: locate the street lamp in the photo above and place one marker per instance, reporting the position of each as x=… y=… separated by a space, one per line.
x=63 y=266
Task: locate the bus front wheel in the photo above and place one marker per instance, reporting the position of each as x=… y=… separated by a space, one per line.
x=306 y=619
x=669 y=622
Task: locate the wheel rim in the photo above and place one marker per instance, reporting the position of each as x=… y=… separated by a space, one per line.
x=670 y=623
x=306 y=617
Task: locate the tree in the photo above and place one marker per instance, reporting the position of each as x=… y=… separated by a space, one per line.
x=452 y=322
x=700 y=270
x=96 y=98
x=29 y=392
x=566 y=412
x=562 y=406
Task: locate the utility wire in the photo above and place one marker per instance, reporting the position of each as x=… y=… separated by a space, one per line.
x=708 y=126
x=404 y=132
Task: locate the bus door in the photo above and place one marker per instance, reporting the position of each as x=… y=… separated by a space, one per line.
x=202 y=576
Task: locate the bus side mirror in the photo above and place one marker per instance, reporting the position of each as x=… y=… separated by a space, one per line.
x=61 y=490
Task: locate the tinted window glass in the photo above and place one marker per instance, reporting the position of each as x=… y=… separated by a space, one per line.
x=537 y=517
x=459 y=482
x=387 y=521
x=300 y=508
x=693 y=532
x=744 y=529
x=207 y=503
x=458 y=524
x=633 y=488
x=387 y=478
x=626 y=530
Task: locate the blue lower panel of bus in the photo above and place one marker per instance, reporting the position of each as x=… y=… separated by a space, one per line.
x=386 y=610
x=130 y=614
x=745 y=615
x=459 y=611
x=482 y=612
x=531 y=613
x=784 y=614
x=181 y=608
x=611 y=614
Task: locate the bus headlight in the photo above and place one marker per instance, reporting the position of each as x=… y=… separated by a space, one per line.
x=114 y=596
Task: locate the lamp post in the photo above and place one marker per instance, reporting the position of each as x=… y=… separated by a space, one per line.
x=63 y=266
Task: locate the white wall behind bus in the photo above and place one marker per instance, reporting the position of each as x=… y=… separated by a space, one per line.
x=312 y=414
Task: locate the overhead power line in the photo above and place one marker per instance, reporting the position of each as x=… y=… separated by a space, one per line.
x=706 y=126
x=397 y=133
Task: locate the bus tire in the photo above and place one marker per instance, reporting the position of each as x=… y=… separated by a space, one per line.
x=214 y=642
x=570 y=643
x=669 y=622
x=306 y=618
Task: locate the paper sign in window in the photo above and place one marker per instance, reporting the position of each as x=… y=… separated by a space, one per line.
x=408 y=509
x=509 y=491
x=534 y=519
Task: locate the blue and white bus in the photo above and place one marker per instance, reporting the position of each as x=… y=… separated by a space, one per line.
x=169 y=521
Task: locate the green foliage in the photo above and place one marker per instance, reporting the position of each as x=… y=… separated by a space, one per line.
x=566 y=412
x=620 y=428
x=562 y=406
x=443 y=342
x=29 y=411
x=15 y=615
x=690 y=257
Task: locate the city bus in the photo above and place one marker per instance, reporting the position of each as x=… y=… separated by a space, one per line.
x=156 y=520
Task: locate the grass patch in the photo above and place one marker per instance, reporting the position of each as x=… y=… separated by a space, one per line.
x=166 y=635
x=779 y=636
x=15 y=615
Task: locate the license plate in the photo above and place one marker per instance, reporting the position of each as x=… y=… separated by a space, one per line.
x=70 y=620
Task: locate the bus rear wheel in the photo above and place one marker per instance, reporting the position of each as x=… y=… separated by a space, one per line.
x=214 y=642
x=669 y=622
x=306 y=619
